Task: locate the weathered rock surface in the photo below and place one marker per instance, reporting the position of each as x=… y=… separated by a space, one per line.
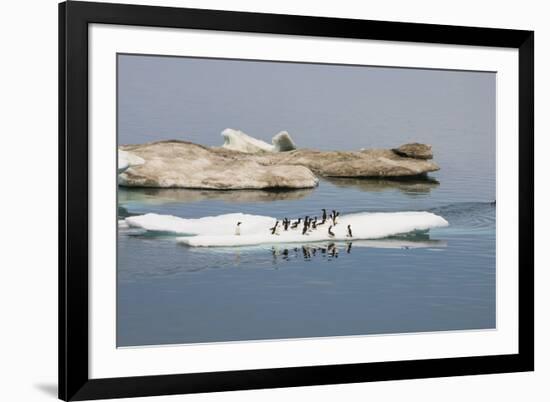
x=181 y=164
x=415 y=150
x=366 y=163
x=187 y=165
x=127 y=160
x=238 y=141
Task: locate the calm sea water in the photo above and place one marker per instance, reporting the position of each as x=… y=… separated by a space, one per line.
x=169 y=293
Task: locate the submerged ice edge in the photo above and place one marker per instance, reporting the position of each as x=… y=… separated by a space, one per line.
x=385 y=243
x=220 y=231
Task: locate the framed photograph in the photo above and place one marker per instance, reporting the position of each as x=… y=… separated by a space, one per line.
x=256 y=200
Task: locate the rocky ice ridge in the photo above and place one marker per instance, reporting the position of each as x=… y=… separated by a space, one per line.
x=246 y=163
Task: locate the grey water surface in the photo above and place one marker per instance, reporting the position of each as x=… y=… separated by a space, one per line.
x=168 y=293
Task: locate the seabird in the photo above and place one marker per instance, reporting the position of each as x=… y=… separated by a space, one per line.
x=304 y=230
x=312 y=224
x=295 y=224
x=350 y=234
x=330 y=233
x=324 y=214
x=274 y=228
x=238 y=229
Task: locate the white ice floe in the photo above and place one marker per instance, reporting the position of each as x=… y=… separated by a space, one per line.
x=238 y=141
x=220 y=225
x=219 y=231
x=126 y=160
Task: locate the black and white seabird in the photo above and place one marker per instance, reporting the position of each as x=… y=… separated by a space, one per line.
x=330 y=233
x=350 y=234
x=274 y=228
x=336 y=215
x=304 y=230
x=286 y=222
x=238 y=229
x=324 y=214
x=312 y=224
x=295 y=224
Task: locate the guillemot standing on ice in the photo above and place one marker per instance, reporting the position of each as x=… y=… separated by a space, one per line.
x=295 y=224
x=238 y=229
x=274 y=228
x=350 y=234
x=286 y=222
x=312 y=224
x=324 y=214
x=330 y=233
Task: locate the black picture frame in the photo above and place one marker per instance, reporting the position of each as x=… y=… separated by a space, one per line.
x=74 y=381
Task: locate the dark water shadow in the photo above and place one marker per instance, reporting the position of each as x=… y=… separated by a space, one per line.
x=47 y=389
x=329 y=249
x=332 y=249
x=410 y=186
x=171 y=195
x=271 y=255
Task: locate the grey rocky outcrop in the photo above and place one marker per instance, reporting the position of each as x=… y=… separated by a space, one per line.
x=415 y=150
x=365 y=163
x=181 y=164
x=171 y=164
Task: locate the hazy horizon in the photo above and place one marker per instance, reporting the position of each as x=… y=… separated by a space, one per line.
x=195 y=99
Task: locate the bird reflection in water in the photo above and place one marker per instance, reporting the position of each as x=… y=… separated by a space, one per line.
x=310 y=252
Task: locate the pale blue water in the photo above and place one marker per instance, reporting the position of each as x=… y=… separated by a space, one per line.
x=169 y=293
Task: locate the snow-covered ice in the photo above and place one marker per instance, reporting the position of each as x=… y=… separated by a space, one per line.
x=236 y=140
x=219 y=231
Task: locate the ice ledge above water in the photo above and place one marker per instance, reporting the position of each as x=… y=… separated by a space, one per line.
x=219 y=231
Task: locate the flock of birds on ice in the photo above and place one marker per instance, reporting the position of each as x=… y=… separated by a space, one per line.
x=307 y=225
